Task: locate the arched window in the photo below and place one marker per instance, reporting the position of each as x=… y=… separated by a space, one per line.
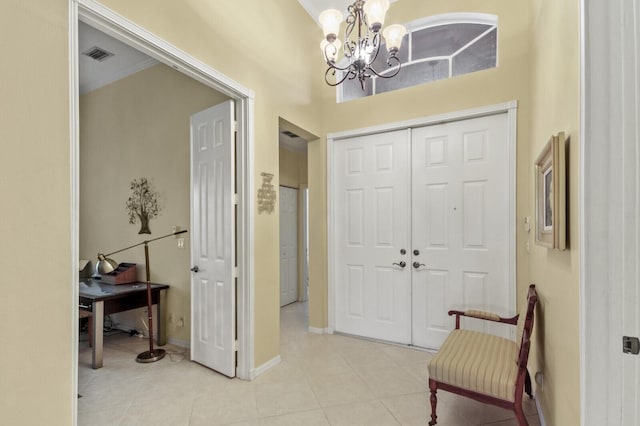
x=434 y=48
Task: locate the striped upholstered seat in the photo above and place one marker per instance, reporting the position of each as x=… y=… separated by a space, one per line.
x=484 y=367
x=477 y=362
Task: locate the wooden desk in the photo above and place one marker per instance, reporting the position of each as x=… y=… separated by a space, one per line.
x=103 y=299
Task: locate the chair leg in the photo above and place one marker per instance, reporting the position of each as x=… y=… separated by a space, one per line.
x=522 y=420
x=434 y=401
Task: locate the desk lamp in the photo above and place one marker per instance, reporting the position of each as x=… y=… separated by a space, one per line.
x=106 y=265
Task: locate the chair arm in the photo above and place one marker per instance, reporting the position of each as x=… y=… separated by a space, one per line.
x=488 y=316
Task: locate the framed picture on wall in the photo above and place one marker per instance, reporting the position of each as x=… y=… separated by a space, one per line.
x=551 y=201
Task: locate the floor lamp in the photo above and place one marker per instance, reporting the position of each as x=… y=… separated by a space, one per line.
x=106 y=265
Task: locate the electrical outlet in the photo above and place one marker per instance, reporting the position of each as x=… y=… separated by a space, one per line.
x=181 y=322
x=180 y=242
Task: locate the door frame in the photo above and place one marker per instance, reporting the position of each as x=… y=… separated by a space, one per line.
x=109 y=22
x=510 y=108
x=602 y=71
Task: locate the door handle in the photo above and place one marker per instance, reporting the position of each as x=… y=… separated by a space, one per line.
x=418 y=264
x=195 y=269
x=402 y=264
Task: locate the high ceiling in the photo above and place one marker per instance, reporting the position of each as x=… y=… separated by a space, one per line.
x=314 y=7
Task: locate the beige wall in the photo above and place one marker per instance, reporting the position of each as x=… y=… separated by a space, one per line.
x=555 y=107
x=507 y=82
x=37 y=328
x=139 y=127
x=293 y=168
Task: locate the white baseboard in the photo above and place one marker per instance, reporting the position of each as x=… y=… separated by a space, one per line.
x=178 y=342
x=540 y=415
x=264 y=367
x=317 y=330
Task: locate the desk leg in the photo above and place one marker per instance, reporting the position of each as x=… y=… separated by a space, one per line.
x=162 y=318
x=98 y=320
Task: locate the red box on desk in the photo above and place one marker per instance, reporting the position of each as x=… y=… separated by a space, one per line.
x=125 y=273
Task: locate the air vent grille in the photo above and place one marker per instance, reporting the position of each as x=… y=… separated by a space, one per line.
x=97 y=53
x=290 y=134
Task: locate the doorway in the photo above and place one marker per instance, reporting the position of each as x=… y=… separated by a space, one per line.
x=421 y=218
x=116 y=26
x=294 y=213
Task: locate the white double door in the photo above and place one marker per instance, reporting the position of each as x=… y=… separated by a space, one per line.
x=421 y=227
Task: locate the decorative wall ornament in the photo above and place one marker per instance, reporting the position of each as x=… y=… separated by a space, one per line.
x=266 y=194
x=142 y=204
x=551 y=198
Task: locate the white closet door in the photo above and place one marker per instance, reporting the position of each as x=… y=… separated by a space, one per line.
x=460 y=225
x=372 y=221
x=288 y=245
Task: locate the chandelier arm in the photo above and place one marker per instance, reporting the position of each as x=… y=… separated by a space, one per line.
x=387 y=75
x=332 y=65
x=346 y=74
x=375 y=45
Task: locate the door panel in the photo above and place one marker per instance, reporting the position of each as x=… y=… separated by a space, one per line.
x=372 y=190
x=213 y=239
x=459 y=225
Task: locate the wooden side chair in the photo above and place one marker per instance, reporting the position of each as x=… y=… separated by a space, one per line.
x=487 y=368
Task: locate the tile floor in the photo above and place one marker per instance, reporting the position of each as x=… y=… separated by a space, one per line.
x=321 y=380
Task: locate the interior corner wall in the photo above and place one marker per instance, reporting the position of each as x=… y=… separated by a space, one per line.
x=555 y=99
x=139 y=127
x=36 y=373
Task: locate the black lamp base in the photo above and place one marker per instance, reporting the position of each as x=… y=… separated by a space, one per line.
x=151 y=356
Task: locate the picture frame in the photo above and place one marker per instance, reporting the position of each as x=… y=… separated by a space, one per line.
x=551 y=200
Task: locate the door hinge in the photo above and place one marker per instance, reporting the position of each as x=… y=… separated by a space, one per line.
x=234 y=272
x=235 y=345
x=630 y=345
x=235 y=199
x=235 y=126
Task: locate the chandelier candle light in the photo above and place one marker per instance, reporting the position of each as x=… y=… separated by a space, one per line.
x=361 y=41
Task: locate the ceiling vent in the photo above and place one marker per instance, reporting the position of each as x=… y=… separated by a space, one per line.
x=290 y=134
x=97 y=53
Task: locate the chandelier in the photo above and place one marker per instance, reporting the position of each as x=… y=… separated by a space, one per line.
x=362 y=41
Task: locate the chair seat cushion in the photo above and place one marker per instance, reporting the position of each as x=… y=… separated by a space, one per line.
x=478 y=362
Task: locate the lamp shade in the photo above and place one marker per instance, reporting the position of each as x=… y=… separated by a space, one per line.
x=330 y=21
x=393 y=35
x=105 y=265
x=375 y=11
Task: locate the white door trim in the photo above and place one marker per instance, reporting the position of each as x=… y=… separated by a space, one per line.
x=510 y=108
x=602 y=71
x=104 y=19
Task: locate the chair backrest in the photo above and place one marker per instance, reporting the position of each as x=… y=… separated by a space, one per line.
x=525 y=323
